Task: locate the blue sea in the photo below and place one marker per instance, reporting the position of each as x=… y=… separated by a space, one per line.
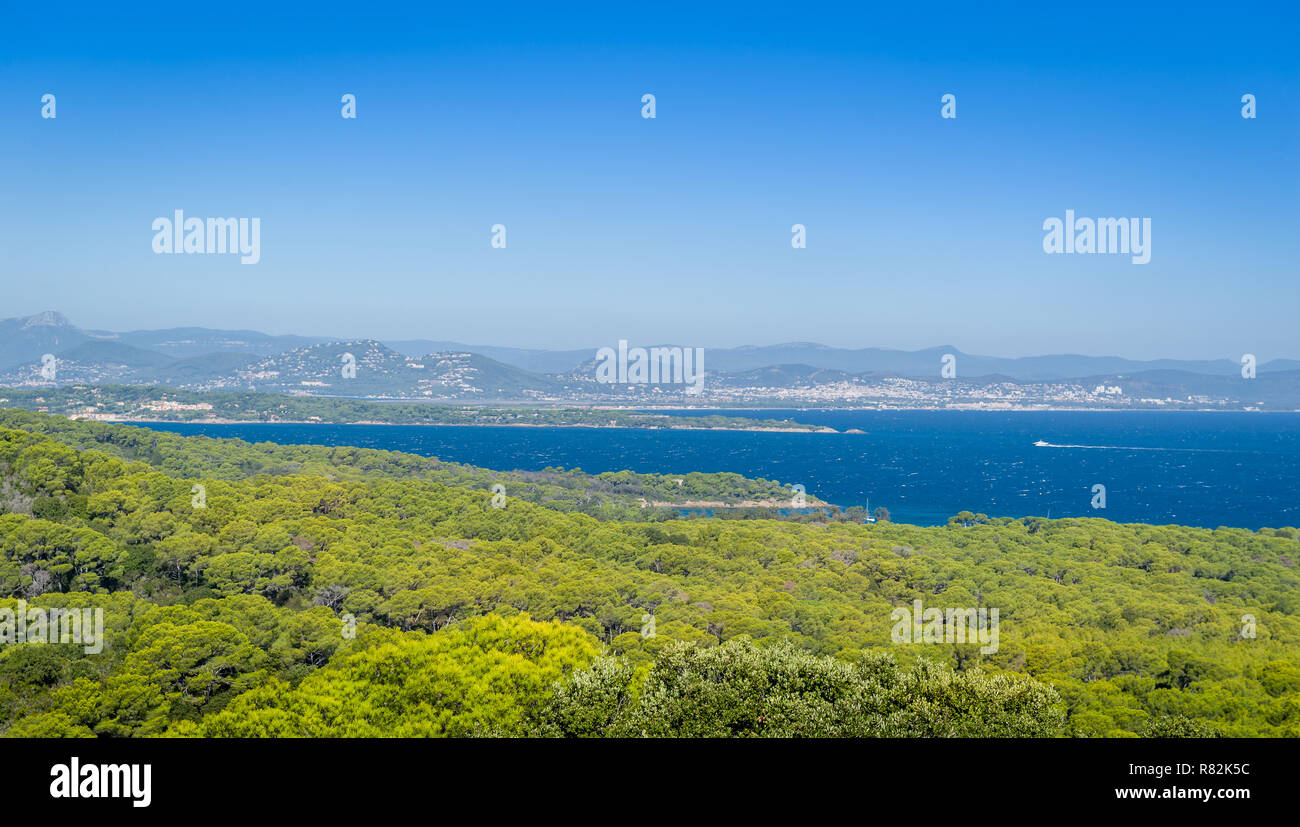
x=1192 y=468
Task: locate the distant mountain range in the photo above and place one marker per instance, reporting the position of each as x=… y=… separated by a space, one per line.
x=204 y=359
x=912 y=363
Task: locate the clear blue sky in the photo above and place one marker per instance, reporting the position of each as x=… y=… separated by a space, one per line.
x=921 y=231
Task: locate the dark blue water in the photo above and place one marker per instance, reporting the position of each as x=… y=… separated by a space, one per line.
x=1191 y=468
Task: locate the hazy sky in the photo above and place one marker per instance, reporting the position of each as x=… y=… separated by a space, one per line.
x=921 y=230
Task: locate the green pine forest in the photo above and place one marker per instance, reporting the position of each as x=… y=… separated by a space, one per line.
x=324 y=591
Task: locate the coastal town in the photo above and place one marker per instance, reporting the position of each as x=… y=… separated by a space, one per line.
x=907 y=393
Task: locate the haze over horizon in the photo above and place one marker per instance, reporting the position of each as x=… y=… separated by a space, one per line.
x=1263 y=359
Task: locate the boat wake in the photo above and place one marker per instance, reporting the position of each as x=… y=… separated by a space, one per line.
x=1041 y=444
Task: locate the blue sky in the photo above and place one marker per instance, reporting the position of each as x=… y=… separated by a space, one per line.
x=921 y=231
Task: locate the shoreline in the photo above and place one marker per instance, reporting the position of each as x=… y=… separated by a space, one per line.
x=811 y=429
x=961 y=409
x=821 y=429
x=813 y=505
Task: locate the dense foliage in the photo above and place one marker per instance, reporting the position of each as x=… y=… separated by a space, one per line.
x=738 y=689
x=225 y=618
